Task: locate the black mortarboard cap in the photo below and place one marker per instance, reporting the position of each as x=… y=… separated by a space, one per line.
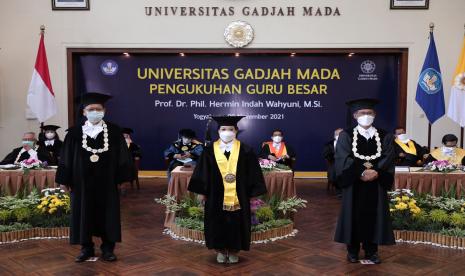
x=49 y=127
x=127 y=130
x=93 y=98
x=186 y=132
x=365 y=103
x=227 y=120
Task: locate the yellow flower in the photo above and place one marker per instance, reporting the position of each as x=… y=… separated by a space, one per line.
x=401 y=206
x=462 y=209
x=39 y=206
x=52 y=210
x=405 y=198
x=392 y=210
x=397 y=199
x=415 y=210
x=413 y=201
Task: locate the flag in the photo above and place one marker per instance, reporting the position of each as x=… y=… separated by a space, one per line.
x=430 y=94
x=456 y=109
x=40 y=97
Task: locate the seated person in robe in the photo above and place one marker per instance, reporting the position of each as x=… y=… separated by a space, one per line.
x=449 y=151
x=29 y=150
x=51 y=143
x=277 y=150
x=408 y=152
x=185 y=150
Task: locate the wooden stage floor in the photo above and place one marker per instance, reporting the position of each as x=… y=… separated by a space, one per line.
x=145 y=251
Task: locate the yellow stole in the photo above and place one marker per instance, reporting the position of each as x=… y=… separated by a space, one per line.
x=228 y=166
x=456 y=158
x=408 y=149
x=282 y=150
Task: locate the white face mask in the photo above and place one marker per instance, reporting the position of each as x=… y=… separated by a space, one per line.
x=94 y=116
x=365 y=120
x=403 y=138
x=277 y=139
x=448 y=150
x=227 y=136
x=49 y=135
x=186 y=141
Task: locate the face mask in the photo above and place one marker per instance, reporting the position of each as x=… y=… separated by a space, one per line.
x=95 y=116
x=186 y=141
x=403 y=137
x=277 y=139
x=49 y=135
x=365 y=120
x=128 y=140
x=227 y=136
x=448 y=150
x=28 y=143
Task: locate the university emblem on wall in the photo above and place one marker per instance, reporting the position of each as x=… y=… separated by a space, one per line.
x=109 y=67
x=238 y=34
x=430 y=81
x=368 y=66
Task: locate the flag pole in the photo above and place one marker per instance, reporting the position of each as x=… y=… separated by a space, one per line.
x=431 y=28
x=461 y=127
x=42 y=32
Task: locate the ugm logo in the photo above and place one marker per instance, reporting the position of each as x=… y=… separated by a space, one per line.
x=430 y=81
x=109 y=67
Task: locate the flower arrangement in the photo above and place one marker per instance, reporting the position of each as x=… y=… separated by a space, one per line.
x=30 y=164
x=55 y=200
x=265 y=213
x=267 y=165
x=442 y=166
x=427 y=213
x=24 y=211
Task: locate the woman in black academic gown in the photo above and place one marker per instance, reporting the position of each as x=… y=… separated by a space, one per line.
x=227 y=176
x=51 y=143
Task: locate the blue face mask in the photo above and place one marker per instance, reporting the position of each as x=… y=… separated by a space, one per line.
x=95 y=116
x=28 y=143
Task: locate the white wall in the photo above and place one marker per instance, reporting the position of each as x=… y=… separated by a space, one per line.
x=122 y=23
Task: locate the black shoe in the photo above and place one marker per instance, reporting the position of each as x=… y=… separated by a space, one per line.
x=108 y=256
x=374 y=258
x=352 y=258
x=84 y=256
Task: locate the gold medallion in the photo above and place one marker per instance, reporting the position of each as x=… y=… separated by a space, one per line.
x=230 y=178
x=368 y=165
x=184 y=148
x=94 y=158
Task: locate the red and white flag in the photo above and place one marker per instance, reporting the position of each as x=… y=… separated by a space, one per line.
x=40 y=97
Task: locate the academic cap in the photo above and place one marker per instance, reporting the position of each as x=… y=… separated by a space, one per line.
x=227 y=120
x=186 y=132
x=127 y=130
x=49 y=127
x=359 y=104
x=93 y=98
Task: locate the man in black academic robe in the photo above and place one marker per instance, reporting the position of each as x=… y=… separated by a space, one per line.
x=365 y=216
x=30 y=149
x=93 y=179
x=51 y=143
x=227 y=231
x=408 y=152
